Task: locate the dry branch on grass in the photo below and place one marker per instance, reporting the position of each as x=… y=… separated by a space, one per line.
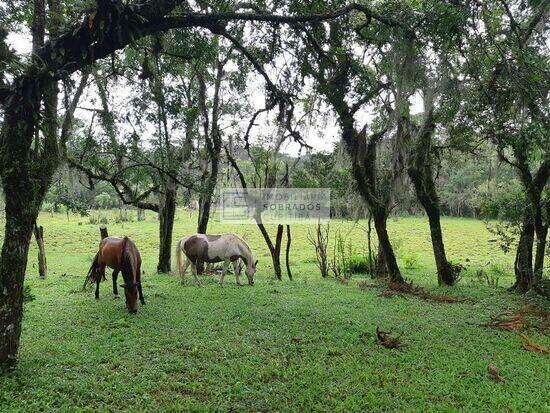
x=520 y=319
x=390 y=293
x=530 y=345
x=493 y=373
x=385 y=340
x=400 y=289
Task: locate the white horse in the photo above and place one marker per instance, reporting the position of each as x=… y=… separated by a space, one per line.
x=215 y=248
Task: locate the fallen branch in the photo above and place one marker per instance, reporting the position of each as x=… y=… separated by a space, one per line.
x=493 y=373
x=520 y=319
x=410 y=289
x=530 y=345
x=385 y=340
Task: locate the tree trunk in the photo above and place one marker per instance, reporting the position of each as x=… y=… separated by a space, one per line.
x=205 y=203
x=380 y=270
x=380 y=220
x=524 y=258
x=25 y=177
x=274 y=250
x=167 y=213
x=444 y=270
x=13 y=263
x=422 y=179
x=540 y=252
x=42 y=265
x=287 y=255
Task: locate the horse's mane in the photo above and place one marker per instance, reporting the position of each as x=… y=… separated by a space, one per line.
x=244 y=243
x=126 y=263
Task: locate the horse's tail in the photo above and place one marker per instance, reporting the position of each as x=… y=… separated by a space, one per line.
x=93 y=276
x=179 y=256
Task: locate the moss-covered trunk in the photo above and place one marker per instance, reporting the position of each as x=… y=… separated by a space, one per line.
x=167 y=214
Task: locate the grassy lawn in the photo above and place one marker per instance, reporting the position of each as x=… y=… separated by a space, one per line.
x=278 y=346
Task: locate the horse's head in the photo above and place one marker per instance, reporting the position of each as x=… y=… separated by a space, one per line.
x=250 y=271
x=131 y=293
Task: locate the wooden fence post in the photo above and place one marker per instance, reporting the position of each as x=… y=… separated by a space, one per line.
x=42 y=265
x=103 y=231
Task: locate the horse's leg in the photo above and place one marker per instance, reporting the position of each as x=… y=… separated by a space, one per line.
x=224 y=271
x=237 y=271
x=97 y=290
x=183 y=270
x=194 y=271
x=115 y=286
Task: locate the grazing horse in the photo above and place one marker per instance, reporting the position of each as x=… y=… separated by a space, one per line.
x=122 y=255
x=228 y=248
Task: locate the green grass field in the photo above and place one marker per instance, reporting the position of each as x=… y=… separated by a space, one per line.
x=278 y=346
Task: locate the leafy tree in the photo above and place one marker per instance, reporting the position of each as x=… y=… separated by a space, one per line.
x=507 y=103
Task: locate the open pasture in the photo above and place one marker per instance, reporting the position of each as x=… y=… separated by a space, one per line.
x=278 y=346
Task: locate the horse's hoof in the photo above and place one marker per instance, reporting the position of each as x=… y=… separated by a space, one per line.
x=116 y=296
x=97 y=298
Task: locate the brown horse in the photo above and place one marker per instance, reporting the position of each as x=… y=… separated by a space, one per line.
x=122 y=255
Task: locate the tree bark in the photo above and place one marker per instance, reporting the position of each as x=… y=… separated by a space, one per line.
x=167 y=213
x=42 y=264
x=274 y=250
x=25 y=178
x=287 y=255
x=13 y=263
x=540 y=253
x=425 y=192
x=380 y=270
x=524 y=258
x=533 y=222
x=380 y=221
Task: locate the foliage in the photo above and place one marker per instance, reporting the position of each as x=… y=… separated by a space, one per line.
x=410 y=261
x=61 y=194
x=103 y=201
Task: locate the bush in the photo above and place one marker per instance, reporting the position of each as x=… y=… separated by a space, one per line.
x=124 y=216
x=410 y=261
x=360 y=264
x=96 y=219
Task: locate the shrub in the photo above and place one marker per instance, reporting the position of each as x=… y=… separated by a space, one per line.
x=124 y=216
x=96 y=219
x=410 y=261
x=360 y=264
